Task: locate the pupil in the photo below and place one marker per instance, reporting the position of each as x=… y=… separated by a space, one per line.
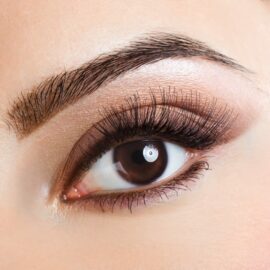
x=137 y=157
x=142 y=162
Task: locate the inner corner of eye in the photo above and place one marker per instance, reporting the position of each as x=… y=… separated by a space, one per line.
x=132 y=165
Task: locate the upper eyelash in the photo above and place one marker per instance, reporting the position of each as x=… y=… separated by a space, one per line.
x=214 y=120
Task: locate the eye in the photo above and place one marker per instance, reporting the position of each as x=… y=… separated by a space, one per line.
x=129 y=166
x=143 y=151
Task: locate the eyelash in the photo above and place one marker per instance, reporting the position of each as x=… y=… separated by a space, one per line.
x=186 y=119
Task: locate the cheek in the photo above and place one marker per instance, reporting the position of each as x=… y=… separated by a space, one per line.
x=241 y=180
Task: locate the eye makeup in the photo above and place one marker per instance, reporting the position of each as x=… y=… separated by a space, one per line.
x=196 y=122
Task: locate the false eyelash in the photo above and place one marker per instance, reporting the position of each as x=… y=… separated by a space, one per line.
x=187 y=119
x=129 y=200
x=171 y=122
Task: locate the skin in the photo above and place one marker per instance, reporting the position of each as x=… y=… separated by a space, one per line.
x=223 y=223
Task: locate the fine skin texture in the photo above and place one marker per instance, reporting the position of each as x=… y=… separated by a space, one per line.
x=221 y=223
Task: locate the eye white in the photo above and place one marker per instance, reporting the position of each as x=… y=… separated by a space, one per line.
x=103 y=176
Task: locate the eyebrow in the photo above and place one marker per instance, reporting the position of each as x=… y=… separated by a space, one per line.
x=31 y=110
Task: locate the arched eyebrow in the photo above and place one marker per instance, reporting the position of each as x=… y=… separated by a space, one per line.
x=31 y=110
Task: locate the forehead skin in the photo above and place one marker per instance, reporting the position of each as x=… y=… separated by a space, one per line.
x=45 y=36
x=40 y=38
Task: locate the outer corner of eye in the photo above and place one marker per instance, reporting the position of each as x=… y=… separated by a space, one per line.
x=133 y=165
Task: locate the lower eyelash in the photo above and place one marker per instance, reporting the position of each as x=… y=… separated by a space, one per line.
x=130 y=199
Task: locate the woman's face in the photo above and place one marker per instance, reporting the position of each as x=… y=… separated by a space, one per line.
x=135 y=134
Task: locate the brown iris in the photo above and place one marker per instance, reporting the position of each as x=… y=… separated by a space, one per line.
x=141 y=162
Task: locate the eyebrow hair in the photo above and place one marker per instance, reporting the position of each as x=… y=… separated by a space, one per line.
x=31 y=110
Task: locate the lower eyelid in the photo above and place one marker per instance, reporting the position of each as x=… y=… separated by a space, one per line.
x=180 y=181
x=154 y=194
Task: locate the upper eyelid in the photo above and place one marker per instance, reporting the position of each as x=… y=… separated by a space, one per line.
x=36 y=107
